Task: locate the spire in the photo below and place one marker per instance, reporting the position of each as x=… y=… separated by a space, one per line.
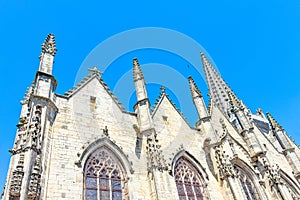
x=273 y=122
x=47 y=55
x=142 y=106
x=44 y=80
x=137 y=72
x=139 y=81
x=197 y=99
x=193 y=87
x=49 y=46
x=216 y=85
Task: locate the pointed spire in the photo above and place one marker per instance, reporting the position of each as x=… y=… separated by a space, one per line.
x=138 y=77
x=273 y=122
x=142 y=106
x=216 y=85
x=283 y=139
x=47 y=55
x=197 y=99
x=137 y=72
x=193 y=87
x=49 y=46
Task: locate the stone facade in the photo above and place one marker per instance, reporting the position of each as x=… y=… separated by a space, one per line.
x=84 y=145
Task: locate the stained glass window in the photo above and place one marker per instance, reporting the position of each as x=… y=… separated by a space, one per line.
x=190 y=185
x=104 y=176
x=247 y=185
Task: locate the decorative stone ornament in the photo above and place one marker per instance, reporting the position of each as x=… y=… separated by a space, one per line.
x=49 y=46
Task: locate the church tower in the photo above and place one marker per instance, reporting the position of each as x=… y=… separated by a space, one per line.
x=29 y=154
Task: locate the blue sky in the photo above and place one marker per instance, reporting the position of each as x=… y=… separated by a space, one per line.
x=255 y=45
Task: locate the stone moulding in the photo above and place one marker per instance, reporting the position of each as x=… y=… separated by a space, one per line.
x=109 y=144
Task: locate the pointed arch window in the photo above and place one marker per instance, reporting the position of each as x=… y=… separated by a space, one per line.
x=189 y=182
x=104 y=176
x=291 y=187
x=247 y=184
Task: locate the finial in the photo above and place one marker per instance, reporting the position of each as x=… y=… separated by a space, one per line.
x=49 y=46
x=163 y=89
x=136 y=62
x=259 y=111
x=95 y=70
x=137 y=72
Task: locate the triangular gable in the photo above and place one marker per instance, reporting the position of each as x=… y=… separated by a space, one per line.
x=165 y=103
x=85 y=82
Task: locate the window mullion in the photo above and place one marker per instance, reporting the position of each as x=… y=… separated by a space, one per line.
x=184 y=187
x=110 y=188
x=98 y=186
x=193 y=188
x=250 y=194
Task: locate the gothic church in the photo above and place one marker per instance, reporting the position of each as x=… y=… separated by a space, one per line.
x=84 y=145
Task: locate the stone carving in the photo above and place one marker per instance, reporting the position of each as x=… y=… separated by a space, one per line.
x=34 y=184
x=28 y=134
x=274 y=174
x=155 y=158
x=35 y=129
x=105 y=131
x=224 y=128
x=49 y=46
x=29 y=92
x=272 y=171
x=28 y=137
x=224 y=165
x=95 y=71
x=21 y=135
x=17 y=177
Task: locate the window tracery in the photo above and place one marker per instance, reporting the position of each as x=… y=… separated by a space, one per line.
x=104 y=176
x=190 y=184
x=247 y=184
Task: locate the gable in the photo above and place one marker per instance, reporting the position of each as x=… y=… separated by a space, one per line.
x=91 y=109
x=165 y=114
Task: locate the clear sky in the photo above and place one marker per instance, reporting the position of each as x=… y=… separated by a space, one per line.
x=255 y=45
